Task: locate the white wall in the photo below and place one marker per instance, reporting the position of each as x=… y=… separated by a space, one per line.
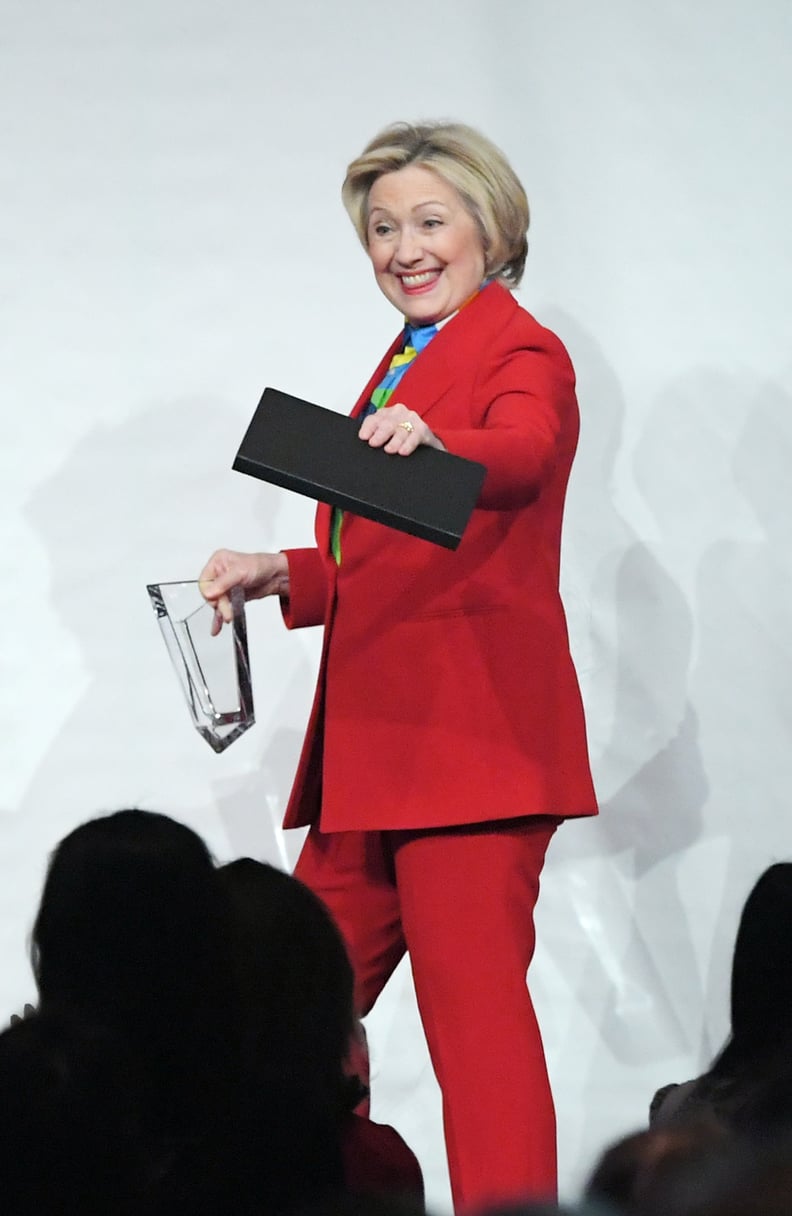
x=171 y=239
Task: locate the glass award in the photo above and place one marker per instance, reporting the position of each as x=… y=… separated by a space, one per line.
x=214 y=671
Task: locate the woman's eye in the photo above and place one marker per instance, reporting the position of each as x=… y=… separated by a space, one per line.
x=381 y=229
x=432 y=223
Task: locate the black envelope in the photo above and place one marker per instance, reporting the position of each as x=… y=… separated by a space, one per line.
x=315 y=451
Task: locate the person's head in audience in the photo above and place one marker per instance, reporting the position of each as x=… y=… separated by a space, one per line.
x=629 y=1169
x=130 y=935
x=748 y=1086
x=695 y=1169
x=761 y=981
x=750 y=1078
x=294 y=978
x=70 y=1131
x=295 y=984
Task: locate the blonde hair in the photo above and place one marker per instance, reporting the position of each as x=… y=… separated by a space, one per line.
x=467 y=161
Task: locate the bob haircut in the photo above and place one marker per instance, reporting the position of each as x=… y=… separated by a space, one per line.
x=467 y=161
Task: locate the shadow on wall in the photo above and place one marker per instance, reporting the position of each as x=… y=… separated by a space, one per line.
x=135 y=503
x=697 y=766
x=616 y=879
x=743 y=673
x=712 y=464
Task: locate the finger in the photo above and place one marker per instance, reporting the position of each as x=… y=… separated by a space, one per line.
x=223 y=615
x=217 y=623
x=224 y=609
x=400 y=441
x=419 y=435
x=386 y=418
x=368 y=426
x=380 y=434
x=406 y=437
x=214 y=586
x=217 y=563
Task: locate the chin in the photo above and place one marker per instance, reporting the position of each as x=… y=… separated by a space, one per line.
x=424 y=313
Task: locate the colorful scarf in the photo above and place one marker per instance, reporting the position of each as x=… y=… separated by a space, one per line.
x=415 y=339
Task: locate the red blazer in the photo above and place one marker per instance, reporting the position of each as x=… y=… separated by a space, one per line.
x=446 y=691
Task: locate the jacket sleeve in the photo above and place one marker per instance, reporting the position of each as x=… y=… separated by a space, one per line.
x=526 y=395
x=307 y=600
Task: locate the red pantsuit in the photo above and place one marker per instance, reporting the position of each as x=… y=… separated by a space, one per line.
x=429 y=893
x=447 y=735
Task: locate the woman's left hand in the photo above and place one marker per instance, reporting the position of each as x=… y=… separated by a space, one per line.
x=398 y=430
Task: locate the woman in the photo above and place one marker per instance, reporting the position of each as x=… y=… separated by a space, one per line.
x=749 y=1084
x=446 y=739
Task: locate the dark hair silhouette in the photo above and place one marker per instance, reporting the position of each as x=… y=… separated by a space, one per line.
x=633 y=1167
x=691 y=1171
x=756 y=1063
x=70 y=1133
x=295 y=985
x=130 y=935
x=761 y=981
x=749 y=1084
x=293 y=974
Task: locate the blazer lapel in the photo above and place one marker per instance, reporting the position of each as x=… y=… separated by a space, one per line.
x=453 y=354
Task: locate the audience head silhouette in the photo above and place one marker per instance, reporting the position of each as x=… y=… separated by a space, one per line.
x=294 y=978
x=295 y=986
x=761 y=983
x=130 y=935
x=70 y=1132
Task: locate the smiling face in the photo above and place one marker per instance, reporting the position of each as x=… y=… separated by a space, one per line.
x=424 y=244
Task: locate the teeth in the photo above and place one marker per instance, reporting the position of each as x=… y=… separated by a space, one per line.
x=418 y=280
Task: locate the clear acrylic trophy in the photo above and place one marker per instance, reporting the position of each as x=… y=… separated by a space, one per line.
x=214 y=672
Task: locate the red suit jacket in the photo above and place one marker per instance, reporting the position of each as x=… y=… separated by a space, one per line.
x=446 y=692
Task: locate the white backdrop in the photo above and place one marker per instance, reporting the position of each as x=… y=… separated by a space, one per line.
x=172 y=239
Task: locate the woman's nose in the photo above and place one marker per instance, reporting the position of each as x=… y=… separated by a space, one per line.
x=409 y=249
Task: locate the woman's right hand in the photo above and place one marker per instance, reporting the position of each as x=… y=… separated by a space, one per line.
x=258 y=574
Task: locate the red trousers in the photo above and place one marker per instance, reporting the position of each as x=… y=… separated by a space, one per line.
x=461 y=900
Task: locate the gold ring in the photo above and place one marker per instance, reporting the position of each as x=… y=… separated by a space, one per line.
x=407 y=426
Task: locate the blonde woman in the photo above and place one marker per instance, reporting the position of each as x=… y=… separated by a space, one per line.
x=446 y=740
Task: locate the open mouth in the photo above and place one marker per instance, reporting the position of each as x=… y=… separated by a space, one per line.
x=419 y=281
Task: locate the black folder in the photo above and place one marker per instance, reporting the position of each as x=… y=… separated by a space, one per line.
x=315 y=451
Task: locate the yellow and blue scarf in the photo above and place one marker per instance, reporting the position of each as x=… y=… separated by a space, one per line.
x=415 y=339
